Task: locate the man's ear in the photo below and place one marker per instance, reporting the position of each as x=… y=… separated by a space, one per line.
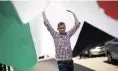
x=58 y=29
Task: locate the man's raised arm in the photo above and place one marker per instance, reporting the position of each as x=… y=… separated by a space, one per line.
x=47 y=24
x=76 y=26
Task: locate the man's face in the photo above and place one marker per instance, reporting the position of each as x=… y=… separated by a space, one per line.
x=62 y=28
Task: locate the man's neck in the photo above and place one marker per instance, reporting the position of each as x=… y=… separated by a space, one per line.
x=63 y=33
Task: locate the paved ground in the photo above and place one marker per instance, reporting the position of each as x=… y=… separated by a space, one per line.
x=88 y=64
x=97 y=64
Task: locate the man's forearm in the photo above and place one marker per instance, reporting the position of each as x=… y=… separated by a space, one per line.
x=76 y=19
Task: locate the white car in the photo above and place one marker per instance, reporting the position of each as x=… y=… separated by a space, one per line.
x=95 y=51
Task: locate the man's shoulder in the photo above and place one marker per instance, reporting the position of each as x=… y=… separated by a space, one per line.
x=56 y=33
x=67 y=32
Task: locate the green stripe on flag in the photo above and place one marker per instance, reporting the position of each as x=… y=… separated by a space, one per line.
x=16 y=44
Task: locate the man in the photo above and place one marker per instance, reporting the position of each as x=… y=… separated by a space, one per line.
x=62 y=42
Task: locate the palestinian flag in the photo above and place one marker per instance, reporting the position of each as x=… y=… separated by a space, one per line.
x=17 y=49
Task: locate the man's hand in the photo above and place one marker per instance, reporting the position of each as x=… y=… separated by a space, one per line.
x=44 y=16
x=43 y=12
x=69 y=11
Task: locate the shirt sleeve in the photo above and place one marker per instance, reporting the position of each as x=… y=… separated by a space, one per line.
x=74 y=29
x=49 y=28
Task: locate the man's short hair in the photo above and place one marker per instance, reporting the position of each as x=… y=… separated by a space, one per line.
x=61 y=23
